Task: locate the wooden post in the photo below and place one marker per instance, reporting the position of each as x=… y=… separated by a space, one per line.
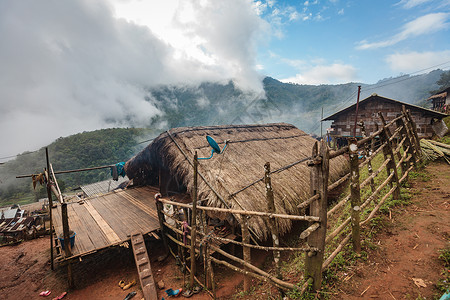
x=368 y=150
x=409 y=139
x=319 y=185
x=388 y=153
x=67 y=246
x=272 y=221
x=412 y=131
x=194 y=221
x=414 y=127
x=406 y=143
x=355 y=195
x=159 y=210
x=50 y=206
x=246 y=251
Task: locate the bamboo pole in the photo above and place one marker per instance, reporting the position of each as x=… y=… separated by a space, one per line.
x=305 y=249
x=355 y=196
x=388 y=153
x=245 y=212
x=273 y=224
x=319 y=185
x=50 y=207
x=251 y=267
x=409 y=139
x=246 y=251
x=414 y=130
x=194 y=221
x=367 y=154
x=338 y=249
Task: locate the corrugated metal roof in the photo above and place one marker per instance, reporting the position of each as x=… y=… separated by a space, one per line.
x=102 y=187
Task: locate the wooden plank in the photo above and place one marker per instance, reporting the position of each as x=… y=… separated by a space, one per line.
x=83 y=242
x=107 y=230
x=136 y=220
x=112 y=217
x=96 y=235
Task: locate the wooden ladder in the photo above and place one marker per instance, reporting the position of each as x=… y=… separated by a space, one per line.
x=143 y=267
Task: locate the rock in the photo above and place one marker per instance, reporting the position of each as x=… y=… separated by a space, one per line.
x=161 y=284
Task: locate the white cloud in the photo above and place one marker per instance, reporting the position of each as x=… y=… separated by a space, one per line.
x=412 y=3
x=70 y=66
x=413 y=61
x=423 y=25
x=325 y=74
x=341 y=12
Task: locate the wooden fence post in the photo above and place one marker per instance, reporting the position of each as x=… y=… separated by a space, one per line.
x=194 y=221
x=246 y=251
x=416 y=136
x=355 y=196
x=389 y=153
x=319 y=185
x=50 y=206
x=67 y=246
x=273 y=224
x=413 y=133
x=409 y=139
x=368 y=150
x=406 y=143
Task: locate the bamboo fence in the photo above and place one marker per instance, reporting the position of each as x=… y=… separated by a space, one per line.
x=401 y=150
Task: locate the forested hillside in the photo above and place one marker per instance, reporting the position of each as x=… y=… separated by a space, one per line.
x=83 y=150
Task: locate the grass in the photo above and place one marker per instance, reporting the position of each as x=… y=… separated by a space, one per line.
x=443 y=284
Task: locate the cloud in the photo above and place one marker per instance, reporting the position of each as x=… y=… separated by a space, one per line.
x=413 y=61
x=70 y=66
x=325 y=74
x=426 y=24
x=412 y=3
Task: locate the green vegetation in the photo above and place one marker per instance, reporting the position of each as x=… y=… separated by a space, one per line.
x=443 y=285
x=83 y=150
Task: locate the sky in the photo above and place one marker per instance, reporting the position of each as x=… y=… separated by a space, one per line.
x=73 y=66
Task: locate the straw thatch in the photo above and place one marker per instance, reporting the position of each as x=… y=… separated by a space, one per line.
x=249 y=148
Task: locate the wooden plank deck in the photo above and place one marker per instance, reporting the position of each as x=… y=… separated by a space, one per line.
x=108 y=220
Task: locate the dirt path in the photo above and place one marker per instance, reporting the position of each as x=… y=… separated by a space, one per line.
x=407 y=247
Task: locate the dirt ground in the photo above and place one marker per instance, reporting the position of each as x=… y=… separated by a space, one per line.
x=405 y=263
x=407 y=248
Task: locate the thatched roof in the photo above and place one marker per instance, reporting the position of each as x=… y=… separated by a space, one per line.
x=242 y=163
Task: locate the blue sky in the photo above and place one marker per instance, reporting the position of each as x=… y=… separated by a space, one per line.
x=73 y=66
x=354 y=40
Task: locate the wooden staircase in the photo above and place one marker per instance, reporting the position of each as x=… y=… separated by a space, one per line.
x=143 y=267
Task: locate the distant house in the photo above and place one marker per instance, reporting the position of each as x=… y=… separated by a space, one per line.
x=12 y=212
x=102 y=187
x=428 y=121
x=441 y=101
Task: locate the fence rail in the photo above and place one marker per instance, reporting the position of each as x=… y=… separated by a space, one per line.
x=397 y=140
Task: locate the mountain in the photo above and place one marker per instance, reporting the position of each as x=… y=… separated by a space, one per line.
x=301 y=105
x=204 y=104
x=83 y=150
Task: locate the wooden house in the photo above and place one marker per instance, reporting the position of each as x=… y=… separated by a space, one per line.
x=441 y=101
x=236 y=174
x=344 y=120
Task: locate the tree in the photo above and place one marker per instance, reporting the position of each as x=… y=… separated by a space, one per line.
x=444 y=81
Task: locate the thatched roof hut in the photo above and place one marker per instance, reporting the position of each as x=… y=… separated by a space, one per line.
x=232 y=173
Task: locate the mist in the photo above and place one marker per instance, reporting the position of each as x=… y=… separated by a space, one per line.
x=71 y=66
